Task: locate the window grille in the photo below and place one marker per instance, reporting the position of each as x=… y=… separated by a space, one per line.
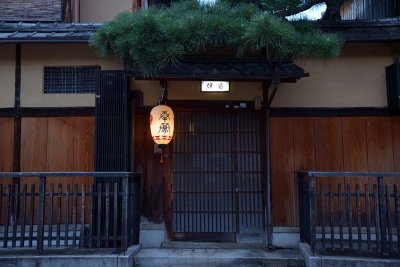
x=69 y=80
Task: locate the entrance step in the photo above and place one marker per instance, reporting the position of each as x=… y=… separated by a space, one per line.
x=210 y=257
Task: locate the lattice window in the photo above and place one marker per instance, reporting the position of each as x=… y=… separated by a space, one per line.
x=69 y=80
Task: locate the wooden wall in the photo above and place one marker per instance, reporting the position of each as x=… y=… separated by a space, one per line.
x=156 y=182
x=49 y=144
x=6 y=146
x=327 y=144
x=57 y=144
x=297 y=143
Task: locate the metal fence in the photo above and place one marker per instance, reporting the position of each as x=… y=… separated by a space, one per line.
x=67 y=209
x=350 y=217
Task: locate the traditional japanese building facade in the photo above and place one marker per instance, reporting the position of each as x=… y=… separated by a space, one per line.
x=212 y=186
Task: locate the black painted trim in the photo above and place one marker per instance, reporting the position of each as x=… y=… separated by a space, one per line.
x=278 y=112
x=331 y=112
x=210 y=104
x=7 y=112
x=275 y=112
x=48 y=112
x=57 y=112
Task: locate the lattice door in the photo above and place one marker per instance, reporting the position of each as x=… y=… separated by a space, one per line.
x=217 y=190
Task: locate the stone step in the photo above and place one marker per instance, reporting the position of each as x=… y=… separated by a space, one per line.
x=210 y=257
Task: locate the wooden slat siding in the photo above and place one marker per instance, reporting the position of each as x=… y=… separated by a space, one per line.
x=355 y=153
x=33 y=152
x=282 y=172
x=396 y=160
x=329 y=154
x=60 y=150
x=153 y=192
x=396 y=141
x=67 y=141
x=6 y=153
x=329 y=147
x=304 y=152
x=338 y=143
x=83 y=154
x=6 y=146
x=380 y=145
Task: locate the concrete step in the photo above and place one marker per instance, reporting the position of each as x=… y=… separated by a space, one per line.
x=210 y=257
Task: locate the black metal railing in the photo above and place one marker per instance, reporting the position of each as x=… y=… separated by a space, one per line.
x=67 y=209
x=339 y=213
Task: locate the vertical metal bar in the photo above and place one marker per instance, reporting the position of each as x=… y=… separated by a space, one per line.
x=74 y=214
x=124 y=213
x=389 y=219
x=82 y=233
x=15 y=215
x=40 y=234
x=115 y=228
x=136 y=217
x=50 y=236
x=1 y=204
x=312 y=183
x=7 y=211
x=23 y=214
x=331 y=217
x=107 y=219
x=376 y=218
x=66 y=230
x=397 y=210
x=31 y=215
x=350 y=216
x=322 y=199
x=382 y=217
x=368 y=216
x=99 y=215
x=58 y=222
x=91 y=231
x=340 y=211
x=358 y=197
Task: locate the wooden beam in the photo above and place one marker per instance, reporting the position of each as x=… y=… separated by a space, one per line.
x=17 y=114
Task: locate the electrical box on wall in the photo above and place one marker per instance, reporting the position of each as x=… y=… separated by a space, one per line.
x=393 y=86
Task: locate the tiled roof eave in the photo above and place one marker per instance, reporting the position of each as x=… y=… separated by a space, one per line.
x=46 y=32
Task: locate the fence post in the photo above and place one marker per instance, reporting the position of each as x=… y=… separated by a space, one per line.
x=305 y=235
x=311 y=186
x=302 y=208
x=136 y=208
x=40 y=234
x=125 y=195
x=382 y=217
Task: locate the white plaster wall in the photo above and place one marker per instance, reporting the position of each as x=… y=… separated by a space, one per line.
x=36 y=57
x=7 y=75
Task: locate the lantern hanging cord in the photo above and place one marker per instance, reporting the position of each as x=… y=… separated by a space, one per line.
x=163 y=97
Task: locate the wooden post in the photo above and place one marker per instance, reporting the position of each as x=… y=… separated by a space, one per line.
x=267 y=104
x=40 y=233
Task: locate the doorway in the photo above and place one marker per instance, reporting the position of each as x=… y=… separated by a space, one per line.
x=217 y=177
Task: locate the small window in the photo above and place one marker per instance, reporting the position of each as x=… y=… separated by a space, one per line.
x=69 y=80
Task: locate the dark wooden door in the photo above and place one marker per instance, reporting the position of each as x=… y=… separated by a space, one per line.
x=217 y=188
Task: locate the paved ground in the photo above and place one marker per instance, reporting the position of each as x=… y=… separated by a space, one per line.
x=218 y=257
x=67 y=257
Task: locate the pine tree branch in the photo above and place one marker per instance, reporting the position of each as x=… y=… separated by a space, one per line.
x=295 y=10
